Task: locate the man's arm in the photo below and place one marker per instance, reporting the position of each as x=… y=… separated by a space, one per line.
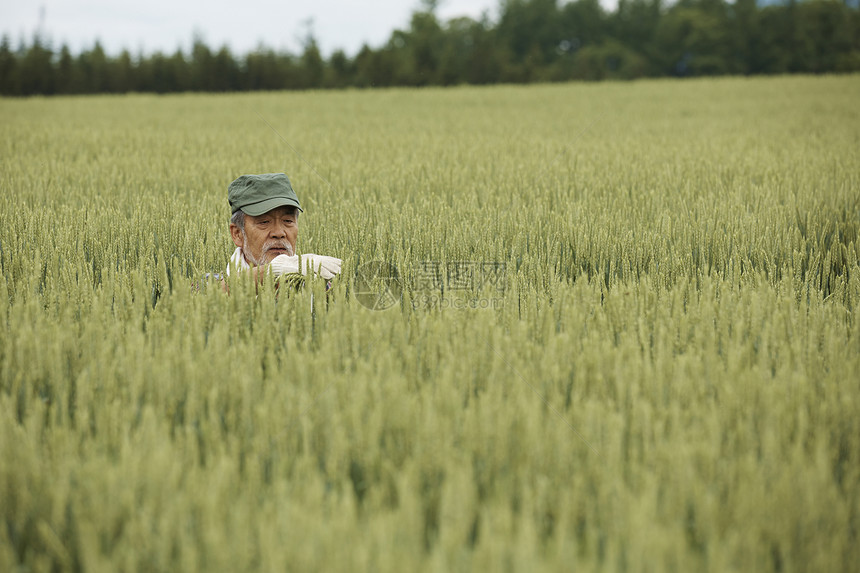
x=325 y=267
x=258 y=274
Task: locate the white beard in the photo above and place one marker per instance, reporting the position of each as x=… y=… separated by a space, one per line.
x=250 y=258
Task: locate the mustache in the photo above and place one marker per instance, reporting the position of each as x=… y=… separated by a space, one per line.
x=276 y=244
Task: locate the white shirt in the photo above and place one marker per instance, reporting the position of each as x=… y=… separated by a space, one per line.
x=238 y=260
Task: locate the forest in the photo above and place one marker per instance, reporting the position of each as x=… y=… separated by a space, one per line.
x=531 y=41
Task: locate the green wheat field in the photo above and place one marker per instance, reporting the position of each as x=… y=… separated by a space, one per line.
x=665 y=376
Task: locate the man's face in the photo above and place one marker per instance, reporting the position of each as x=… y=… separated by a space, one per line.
x=268 y=235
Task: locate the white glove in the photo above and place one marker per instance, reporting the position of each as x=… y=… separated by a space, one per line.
x=284 y=264
x=326 y=267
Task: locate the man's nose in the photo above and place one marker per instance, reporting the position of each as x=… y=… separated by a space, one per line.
x=279 y=230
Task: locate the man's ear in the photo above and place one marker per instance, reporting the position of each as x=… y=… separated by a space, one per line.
x=237 y=235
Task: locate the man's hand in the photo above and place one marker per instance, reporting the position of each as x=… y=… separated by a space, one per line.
x=284 y=265
x=326 y=267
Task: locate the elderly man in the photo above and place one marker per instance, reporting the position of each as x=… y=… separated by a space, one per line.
x=265 y=225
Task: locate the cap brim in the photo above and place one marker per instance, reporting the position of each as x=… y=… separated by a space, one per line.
x=257 y=209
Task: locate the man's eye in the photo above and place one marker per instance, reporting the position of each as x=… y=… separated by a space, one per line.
x=263 y=222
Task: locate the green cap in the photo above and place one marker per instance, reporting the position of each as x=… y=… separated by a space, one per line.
x=258 y=194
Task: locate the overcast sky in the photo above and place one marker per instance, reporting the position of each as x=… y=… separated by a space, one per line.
x=165 y=25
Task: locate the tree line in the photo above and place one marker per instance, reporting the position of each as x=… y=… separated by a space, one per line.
x=531 y=41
